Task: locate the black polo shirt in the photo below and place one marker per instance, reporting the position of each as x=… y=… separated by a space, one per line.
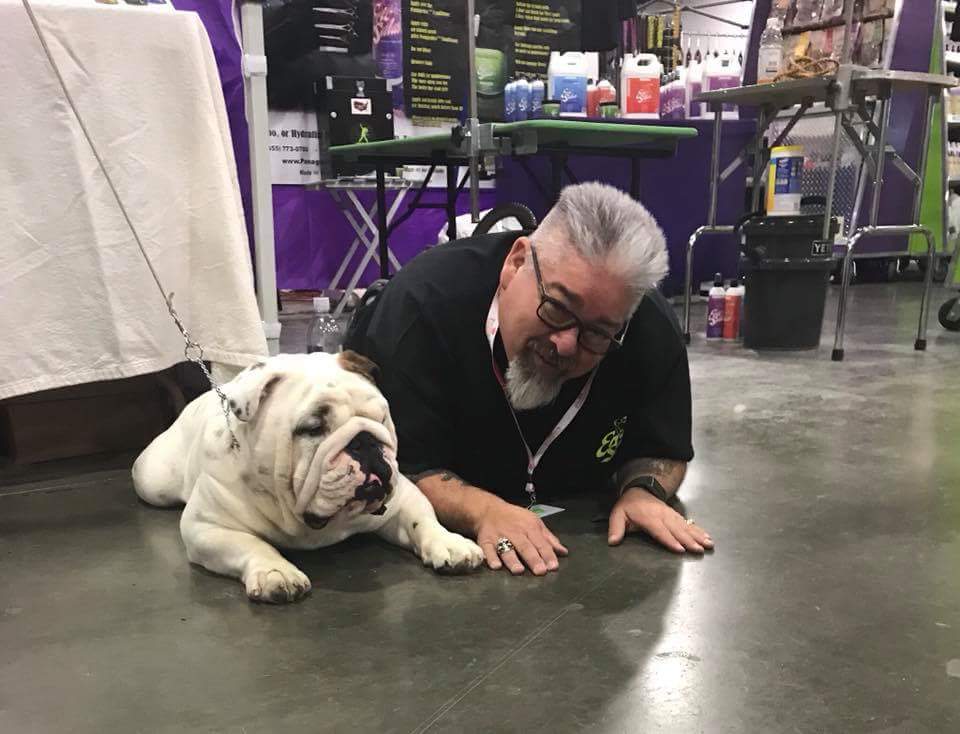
x=426 y=333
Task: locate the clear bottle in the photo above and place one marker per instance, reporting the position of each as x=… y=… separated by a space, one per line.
x=325 y=332
x=769 y=57
x=808 y=11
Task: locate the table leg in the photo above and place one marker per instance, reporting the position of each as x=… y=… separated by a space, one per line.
x=557 y=162
x=451 y=201
x=382 y=221
x=342 y=270
x=832 y=176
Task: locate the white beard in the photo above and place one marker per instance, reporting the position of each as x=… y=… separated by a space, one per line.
x=527 y=388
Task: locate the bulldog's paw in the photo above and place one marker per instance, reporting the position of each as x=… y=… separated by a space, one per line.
x=448 y=552
x=276 y=584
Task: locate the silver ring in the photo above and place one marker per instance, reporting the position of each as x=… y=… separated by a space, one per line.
x=504 y=546
x=691 y=521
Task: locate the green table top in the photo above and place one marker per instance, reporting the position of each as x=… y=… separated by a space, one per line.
x=541 y=134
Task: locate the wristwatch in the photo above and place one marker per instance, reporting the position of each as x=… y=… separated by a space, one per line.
x=649 y=483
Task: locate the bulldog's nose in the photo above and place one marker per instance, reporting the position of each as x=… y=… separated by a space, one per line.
x=368 y=452
x=315 y=521
x=362 y=443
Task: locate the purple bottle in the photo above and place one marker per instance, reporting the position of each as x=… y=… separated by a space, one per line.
x=715 y=304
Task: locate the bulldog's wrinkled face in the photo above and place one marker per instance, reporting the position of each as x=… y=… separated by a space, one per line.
x=324 y=430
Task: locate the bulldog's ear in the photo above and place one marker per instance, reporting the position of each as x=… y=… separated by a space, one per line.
x=354 y=362
x=249 y=389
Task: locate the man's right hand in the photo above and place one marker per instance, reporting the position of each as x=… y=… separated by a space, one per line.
x=484 y=516
x=534 y=545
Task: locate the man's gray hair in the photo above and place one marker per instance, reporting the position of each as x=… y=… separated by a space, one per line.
x=606 y=227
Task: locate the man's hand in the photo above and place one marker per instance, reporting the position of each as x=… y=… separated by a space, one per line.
x=533 y=542
x=637 y=509
x=486 y=517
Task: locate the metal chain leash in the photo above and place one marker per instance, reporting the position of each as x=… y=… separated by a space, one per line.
x=192 y=351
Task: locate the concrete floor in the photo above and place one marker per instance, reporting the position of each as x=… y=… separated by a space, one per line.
x=832 y=602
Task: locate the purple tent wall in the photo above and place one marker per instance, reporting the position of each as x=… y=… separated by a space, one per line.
x=312 y=236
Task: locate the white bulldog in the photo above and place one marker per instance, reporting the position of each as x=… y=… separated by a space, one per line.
x=316 y=463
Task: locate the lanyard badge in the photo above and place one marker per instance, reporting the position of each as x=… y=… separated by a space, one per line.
x=533 y=459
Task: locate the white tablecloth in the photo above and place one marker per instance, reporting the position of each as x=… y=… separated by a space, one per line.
x=77 y=303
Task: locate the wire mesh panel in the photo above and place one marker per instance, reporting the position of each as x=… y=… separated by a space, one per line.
x=815 y=134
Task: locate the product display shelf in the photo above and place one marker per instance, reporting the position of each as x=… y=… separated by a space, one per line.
x=845 y=95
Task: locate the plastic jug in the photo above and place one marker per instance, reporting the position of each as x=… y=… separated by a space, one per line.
x=567 y=82
x=723 y=72
x=640 y=85
x=694 y=87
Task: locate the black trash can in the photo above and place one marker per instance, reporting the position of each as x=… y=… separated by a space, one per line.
x=786 y=267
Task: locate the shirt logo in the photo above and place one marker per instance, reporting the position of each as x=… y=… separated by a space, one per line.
x=611 y=441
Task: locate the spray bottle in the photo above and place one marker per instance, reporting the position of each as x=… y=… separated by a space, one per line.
x=732 y=304
x=715 y=307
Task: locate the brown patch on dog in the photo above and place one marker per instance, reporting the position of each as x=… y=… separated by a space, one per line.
x=354 y=362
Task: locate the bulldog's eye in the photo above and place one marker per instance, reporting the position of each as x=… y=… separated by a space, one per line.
x=311 y=429
x=316 y=424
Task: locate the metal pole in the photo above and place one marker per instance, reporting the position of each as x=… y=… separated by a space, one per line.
x=880 y=158
x=758 y=161
x=382 y=222
x=715 y=163
x=451 y=201
x=474 y=163
x=921 y=342
x=847 y=53
x=255 y=93
x=832 y=176
x=557 y=161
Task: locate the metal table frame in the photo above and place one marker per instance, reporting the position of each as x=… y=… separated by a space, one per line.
x=343 y=193
x=557 y=139
x=845 y=96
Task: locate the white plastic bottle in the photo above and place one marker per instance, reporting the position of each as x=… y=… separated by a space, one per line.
x=640 y=86
x=771 y=52
x=694 y=87
x=723 y=72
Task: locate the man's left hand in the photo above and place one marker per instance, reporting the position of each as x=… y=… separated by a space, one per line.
x=637 y=509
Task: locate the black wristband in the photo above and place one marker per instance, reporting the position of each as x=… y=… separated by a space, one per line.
x=649 y=483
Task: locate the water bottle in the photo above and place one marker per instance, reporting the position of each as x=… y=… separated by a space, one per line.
x=324 y=333
x=715 y=306
x=771 y=52
x=537 y=91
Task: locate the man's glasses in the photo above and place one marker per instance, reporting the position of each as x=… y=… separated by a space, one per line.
x=558 y=317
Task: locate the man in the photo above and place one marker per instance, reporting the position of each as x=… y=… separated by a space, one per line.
x=521 y=369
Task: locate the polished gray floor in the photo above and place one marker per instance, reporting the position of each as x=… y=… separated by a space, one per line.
x=832 y=602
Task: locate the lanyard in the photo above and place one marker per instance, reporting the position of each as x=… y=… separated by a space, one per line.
x=533 y=459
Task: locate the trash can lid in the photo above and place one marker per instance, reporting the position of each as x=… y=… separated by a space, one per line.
x=798 y=226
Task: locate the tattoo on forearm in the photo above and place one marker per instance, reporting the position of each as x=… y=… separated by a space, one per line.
x=669 y=472
x=445 y=476
x=657 y=467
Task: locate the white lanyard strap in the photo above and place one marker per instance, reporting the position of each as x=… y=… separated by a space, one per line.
x=533 y=459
